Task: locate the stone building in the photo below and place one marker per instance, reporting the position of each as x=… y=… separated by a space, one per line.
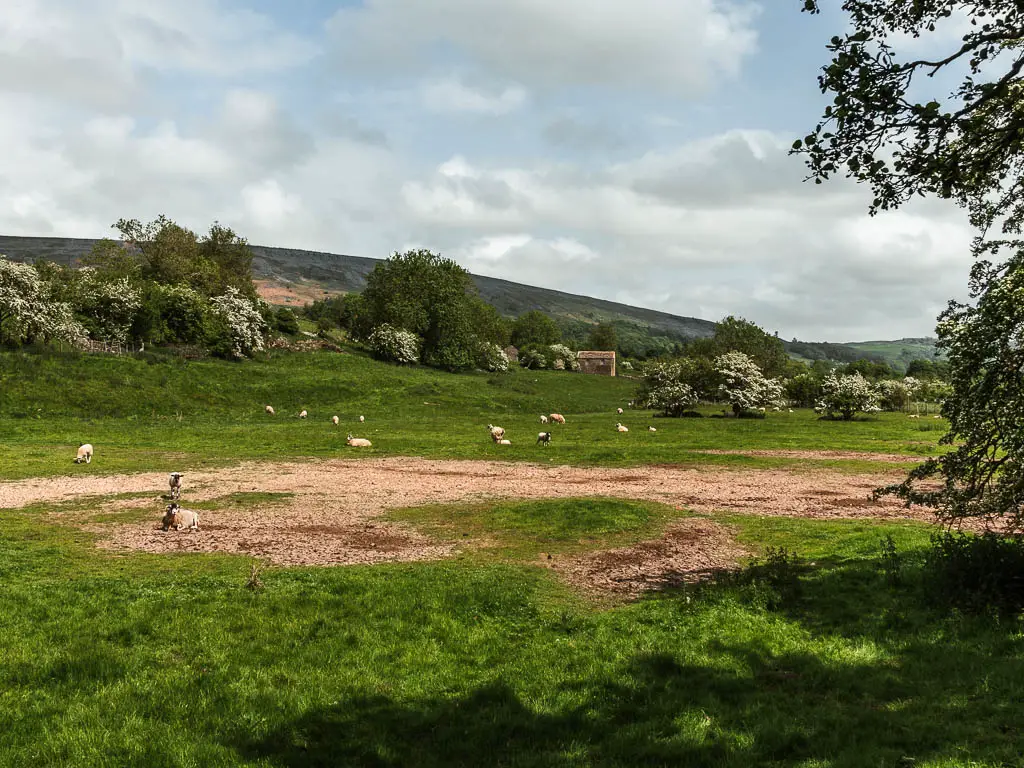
x=602 y=363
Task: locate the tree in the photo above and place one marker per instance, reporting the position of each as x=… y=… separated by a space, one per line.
x=734 y=334
x=968 y=148
x=804 y=389
x=534 y=327
x=603 y=338
x=285 y=321
x=663 y=389
x=28 y=313
x=744 y=386
x=239 y=326
x=846 y=395
x=394 y=344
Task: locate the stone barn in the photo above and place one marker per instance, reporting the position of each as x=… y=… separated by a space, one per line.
x=602 y=363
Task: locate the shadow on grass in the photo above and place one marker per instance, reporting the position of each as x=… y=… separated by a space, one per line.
x=889 y=685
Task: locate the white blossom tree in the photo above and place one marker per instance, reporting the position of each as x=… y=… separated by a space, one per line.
x=243 y=322
x=394 y=344
x=663 y=390
x=27 y=313
x=109 y=306
x=744 y=386
x=493 y=357
x=847 y=395
x=896 y=394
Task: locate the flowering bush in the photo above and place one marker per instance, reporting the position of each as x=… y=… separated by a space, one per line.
x=895 y=395
x=847 y=395
x=562 y=358
x=664 y=390
x=394 y=344
x=744 y=386
x=26 y=312
x=532 y=358
x=493 y=358
x=242 y=325
x=108 y=307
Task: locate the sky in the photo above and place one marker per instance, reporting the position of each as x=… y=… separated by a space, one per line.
x=631 y=150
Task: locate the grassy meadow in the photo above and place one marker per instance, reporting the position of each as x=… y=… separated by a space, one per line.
x=826 y=660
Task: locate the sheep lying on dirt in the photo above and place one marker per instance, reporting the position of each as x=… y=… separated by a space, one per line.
x=269 y=409
x=84 y=454
x=177 y=518
x=358 y=442
x=175 y=484
x=544 y=438
x=557 y=418
x=621 y=427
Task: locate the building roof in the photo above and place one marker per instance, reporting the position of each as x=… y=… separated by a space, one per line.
x=593 y=355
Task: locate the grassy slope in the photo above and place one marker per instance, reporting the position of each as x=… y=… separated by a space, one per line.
x=136 y=413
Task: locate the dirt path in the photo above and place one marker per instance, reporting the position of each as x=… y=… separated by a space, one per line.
x=334 y=516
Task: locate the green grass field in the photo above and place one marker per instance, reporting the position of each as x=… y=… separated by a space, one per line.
x=482 y=659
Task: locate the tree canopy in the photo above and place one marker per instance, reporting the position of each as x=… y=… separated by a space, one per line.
x=535 y=328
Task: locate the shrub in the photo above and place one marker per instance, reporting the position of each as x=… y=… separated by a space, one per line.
x=239 y=326
x=493 y=358
x=27 y=313
x=896 y=394
x=532 y=358
x=394 y=344
x=562 y=358
x=744 y=386
x=285 y=321
x=106 y=308
x=976 y=573
x=846 y=395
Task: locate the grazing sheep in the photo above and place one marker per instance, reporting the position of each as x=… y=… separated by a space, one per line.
x=790 y=410
x=358 y=442
x=176 y=485
x=913 y=416
x=618 y=411
x=303 y=414
x=334 y=420
x=936 y=417
x=652 y=429
x=269 y=409
x=557 y=418
x=496 y=432
x=544 y=438
x=362 y=419
x=177 y=518
x=504 y=442
x=621 y=427
x=544 y=419
x=84 y=454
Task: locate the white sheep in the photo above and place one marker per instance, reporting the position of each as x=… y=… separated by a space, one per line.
x=913 y=416
x=544 y=419
x=496 y=432
x=84 y=454
x=269 y=409
x=358 y=442
x=618 y=411
x=790 y=410
x=621 y=427
x=557 y=418
x=175 y=484
x=177 y=518
x=652 y=429
x=303 y=414
x=544 y=438
x=334 y=420
x=504 y=442
x=936 y=417
x=362 y=419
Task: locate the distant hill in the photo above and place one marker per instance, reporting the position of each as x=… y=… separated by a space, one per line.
x=293 y=277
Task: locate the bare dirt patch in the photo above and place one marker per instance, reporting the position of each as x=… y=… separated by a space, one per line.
x=692 y=550
x=888 y=458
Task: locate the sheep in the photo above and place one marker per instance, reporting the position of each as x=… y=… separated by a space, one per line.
x=362 y=419
x=176 y=517
x=175 y=483
x=913 y=416
x=936 y=417
x=334 y=420
x=557 y=418
x=504 y=442
x=303 y=414
x=790 y=410
x=652 y=429
x=269 y=409
x=621 y=427
x=496 y=432
x=544 y=419
x=358 y=442
x=544 y=438
x=618 y=411
x=84 y=454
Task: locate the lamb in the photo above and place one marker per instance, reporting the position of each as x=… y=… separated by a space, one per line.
x=177 y=518
x=544 y=419
x=176 y=485
x=544 y=438
x=496 y=432
x=621 y=427
x=358 y=442
x=362 y=419
x=269 y=409
x=618 y=411
x=303 y=414
x=334 y=420
x=652 y=429
x=557 y=418
x=504 y=442
x=84 y=454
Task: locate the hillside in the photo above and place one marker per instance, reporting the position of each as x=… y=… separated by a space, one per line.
x=292 y=277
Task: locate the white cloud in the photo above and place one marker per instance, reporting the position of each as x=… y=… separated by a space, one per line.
x=674 y=46
x=451 y=95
